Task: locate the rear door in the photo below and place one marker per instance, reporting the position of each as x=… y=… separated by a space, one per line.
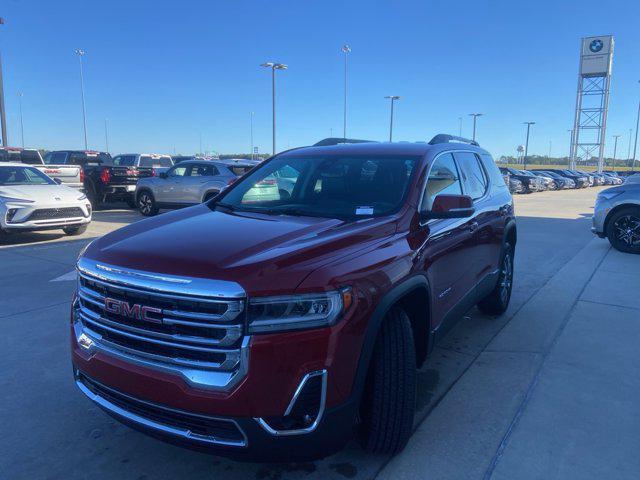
x=488 y=217
x=168 y=190
x=449 y=244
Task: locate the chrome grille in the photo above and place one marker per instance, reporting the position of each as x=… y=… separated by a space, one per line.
x=201 y=332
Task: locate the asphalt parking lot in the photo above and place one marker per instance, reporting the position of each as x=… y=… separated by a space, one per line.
x=473 y=392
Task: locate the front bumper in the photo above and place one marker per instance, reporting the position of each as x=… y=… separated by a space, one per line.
x=16 y=216
x=600 y=212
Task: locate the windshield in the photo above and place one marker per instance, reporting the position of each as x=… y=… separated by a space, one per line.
x=23 y=176
x=331 y=187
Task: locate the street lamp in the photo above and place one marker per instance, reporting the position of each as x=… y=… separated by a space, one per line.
x=635 y=144
x=80 y=54
x=3 y=116
x=274 y=66
x=251 y=128
x=475 y=117
x=615 y=149
x=106 y=136
x=526 y=144
x=21 y=120
x=346 y=49
x=393 y=98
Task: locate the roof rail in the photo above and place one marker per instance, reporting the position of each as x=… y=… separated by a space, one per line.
x=337 y=141
x=444 y=138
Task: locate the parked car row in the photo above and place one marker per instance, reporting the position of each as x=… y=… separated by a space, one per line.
x=536 y=180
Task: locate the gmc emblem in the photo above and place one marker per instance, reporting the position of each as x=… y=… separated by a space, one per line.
x=135 y=311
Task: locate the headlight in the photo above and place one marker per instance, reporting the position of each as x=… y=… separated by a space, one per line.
x=609 y=195
x=83 y=197
x=296 y=312
x=12 y=199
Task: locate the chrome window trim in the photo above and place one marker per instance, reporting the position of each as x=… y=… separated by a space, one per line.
x=178 y=432
x=294 y=398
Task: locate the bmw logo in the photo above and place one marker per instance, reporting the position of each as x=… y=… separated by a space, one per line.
x=596 y=45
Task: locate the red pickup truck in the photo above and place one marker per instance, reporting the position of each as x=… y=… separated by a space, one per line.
x=279 y=328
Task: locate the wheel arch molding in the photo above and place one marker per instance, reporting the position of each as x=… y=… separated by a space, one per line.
x=395 y=296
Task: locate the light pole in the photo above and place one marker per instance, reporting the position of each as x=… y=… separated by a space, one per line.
x=460 y=126
x=629 y=151
x=526 y=144
x=251 y=122
x=106 y=136
x=570 y=147
x=346 y=49
x=635 y=143
x=615 y=149
x=274 y=66
x=475 y=117
x=393 y=98
x=80 y=54
x=3 y=116
x=21 y=120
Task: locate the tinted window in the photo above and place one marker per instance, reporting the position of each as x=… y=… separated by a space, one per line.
x=148 y=161
x=31 y=157
x=326 y=186
x=202 y=170
x=443 y=179
x=124 y=160
x=473 y=176
x=492 y=169
x=83 y=158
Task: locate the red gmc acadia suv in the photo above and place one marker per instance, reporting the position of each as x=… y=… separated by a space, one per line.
x=289 y=314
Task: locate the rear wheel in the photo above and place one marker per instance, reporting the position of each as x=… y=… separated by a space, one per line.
x=76 y=230
x=147 y=204
x=389 y=400
x=623 y=230
x=498 y=300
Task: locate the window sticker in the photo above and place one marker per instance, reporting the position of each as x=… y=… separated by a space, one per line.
x=364 y=211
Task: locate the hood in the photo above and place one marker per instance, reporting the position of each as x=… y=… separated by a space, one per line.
x=40 y=193
x=266 y=255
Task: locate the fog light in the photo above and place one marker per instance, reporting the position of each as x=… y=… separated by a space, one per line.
x=88 y=205
x=10 y=214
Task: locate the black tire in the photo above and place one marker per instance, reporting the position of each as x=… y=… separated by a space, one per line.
x=90 y=192
x=147 y=204
x=131 y=203
x=497 y=302
x=623 y=230
x=389 y=400
x=209 y=195
x=77 y=230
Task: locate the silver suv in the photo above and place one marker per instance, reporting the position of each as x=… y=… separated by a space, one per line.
x=617 y=216
x=187 y=183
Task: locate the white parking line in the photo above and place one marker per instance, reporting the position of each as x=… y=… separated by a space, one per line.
x=67 y=277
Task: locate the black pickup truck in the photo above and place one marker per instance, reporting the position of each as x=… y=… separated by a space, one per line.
x=103 y=181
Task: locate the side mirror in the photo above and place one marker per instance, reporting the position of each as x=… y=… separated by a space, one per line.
x=58 y=181
x=450 y=206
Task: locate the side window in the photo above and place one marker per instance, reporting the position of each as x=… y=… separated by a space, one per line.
x=473 y=176
x=203 y=171
x=177 y=172
x=491 y=168
x=443 y=179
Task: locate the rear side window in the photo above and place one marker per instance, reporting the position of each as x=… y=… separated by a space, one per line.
x=473 y=175
x=492 y=169
x=203 y=171
x=444 y=179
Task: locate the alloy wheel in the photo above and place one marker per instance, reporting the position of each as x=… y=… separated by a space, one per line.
x=627 y=230
x=506 y=277
x=145 y=203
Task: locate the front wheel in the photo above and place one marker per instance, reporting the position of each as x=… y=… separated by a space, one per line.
x=389 y=400
x=147 y=204
x=497 y=301
x=77 y=230
x=623 y=230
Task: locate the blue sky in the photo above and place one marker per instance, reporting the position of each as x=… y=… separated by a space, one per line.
x=164 y=73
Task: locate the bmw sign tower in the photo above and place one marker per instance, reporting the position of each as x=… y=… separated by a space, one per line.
x=592 y=100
